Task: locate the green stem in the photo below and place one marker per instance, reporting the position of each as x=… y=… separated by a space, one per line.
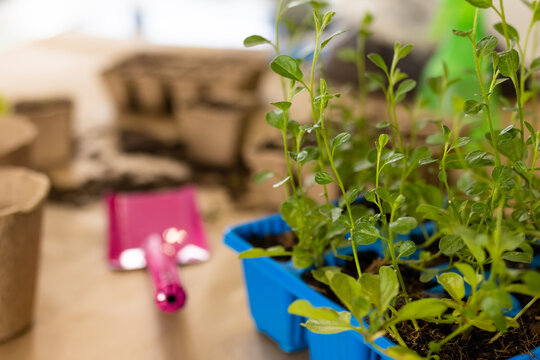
x=526 y=307
x=518 y=315
x=286 y=153
x=276 y=47
x=519 y=85
x=396 y=123
x=521 y=114
x=378 y=198
x=455 y=333
x=361 y=71
x=445 y=180
x=533 y=166
x=342 y=188
x=524 y=56
x=395 y=263
x=299 y=168
x=285 y=96
x=496 y=251
x=505 y=25
x=394 y=331
x=314 y=109
x=485 y=95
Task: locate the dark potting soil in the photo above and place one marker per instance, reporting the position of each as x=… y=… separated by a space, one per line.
x=40 y=107
x=475 y=344
x=234 y=178
x=287 y=240
x=366 y=259
x=370 y=262
x=93 y=189
x=135 y=142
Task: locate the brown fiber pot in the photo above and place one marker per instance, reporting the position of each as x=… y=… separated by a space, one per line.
x=53 y=119
x=22 y=194
x=213 y=135
x=16 y=138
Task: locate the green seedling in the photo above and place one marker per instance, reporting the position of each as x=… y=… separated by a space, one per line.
x=490 y=216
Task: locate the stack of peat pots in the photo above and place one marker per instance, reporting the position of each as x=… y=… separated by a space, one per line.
x=198 y=98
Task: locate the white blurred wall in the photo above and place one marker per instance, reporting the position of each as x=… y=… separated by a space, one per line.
x=214 y=23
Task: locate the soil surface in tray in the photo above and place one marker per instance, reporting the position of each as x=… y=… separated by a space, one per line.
x=365 y=259
x=287 y=240
x=370 y=262
x=475 y=345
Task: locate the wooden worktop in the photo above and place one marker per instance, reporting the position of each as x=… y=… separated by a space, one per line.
x=84 y=310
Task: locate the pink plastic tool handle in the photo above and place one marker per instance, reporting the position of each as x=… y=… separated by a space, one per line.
x=161 y=263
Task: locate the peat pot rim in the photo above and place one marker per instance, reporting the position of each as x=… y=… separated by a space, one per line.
x=21 y=178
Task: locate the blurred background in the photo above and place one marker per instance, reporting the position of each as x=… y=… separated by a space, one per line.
x=202 y=23
x=102 y=97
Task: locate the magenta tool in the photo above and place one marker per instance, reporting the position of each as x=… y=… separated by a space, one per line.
x=157 y=230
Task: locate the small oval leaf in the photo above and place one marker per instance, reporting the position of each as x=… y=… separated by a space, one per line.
x=287 y=67
x=323 y=178
x=255 y=40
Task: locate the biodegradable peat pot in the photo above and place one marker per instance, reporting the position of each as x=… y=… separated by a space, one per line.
x=157 y=127
x=265 y=195
x=184 y=94
x=213 y=134
x=22 y=194
x=149 y=93
x=16 y=138
x=52 y=118
x=229 y=95
x=118 y=88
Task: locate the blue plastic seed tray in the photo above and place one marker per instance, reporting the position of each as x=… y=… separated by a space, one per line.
x=272 y=286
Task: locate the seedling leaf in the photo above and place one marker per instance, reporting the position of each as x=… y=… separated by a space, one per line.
x=461 y=33
x=508 y=63
x=472 y=107
x=305 y=309
x=365 y=233
x=282 y=105
x=325 y=42
x=323 y=178
x=453 y=284
x=389 y=286
x=405 y=248
x=255 y=40
x=263 y=176
x=451 y=244
x=340 y=139
x=404 y=88
x=327 y=327
x=403 y=225
x=483 y=4
x=276 y=119
x=281 y=182
x=486 y=46
x=378 y=61
x=259 y=252
x=512 y=32
x=421 y=309
x=287 y=67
